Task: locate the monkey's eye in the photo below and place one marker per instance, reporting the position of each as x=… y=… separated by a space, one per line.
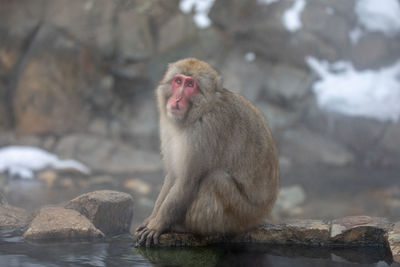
x=190 y=84
x=178 y=80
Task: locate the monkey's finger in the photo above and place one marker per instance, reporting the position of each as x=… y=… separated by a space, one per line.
x=156 y=238
x=139 y=234
x=139 y=230
x=149 y=239
x=142 y=232
x=141 y=227
x=144 y=236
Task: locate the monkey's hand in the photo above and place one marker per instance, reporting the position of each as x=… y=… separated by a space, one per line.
x=143 y=224
x=149 y=234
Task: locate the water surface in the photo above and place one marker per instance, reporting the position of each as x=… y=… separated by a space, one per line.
x=121 y=251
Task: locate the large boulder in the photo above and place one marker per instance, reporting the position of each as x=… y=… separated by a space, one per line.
x=56 y=79
x=178 y=30
x=12 y=217
x=347 y=130
x=110 y=211
x=61 y=223
x=91 y=22
x=134 y=36
x=325 y=23
x=305 y=147
x=359 y=230
x=394 y=241
x=371 y=51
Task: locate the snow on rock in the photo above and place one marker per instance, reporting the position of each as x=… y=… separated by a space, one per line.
x=22 y=161
x=355 y=35
x=250 y=56
x=267 y=2
x=378 y=15
x=291 y=18
x=201 y=9
x=367 y=93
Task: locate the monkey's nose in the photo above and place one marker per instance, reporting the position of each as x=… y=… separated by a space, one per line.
x=178 y=98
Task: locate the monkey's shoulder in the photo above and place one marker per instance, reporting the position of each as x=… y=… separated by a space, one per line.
x=242 y=108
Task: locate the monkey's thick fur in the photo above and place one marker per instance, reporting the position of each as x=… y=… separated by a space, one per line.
x=220 y=160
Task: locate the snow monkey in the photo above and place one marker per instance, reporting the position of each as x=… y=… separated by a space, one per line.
x=219 y=156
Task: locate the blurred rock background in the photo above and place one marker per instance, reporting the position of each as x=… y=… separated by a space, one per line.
x=77 y=79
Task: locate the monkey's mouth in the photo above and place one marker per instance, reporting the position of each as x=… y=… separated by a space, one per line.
x=175 y=110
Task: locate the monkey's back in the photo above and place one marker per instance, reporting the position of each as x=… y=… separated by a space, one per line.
x=251 y=142
x=250 y=153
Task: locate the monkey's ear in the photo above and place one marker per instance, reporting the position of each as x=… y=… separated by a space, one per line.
x=219 y=83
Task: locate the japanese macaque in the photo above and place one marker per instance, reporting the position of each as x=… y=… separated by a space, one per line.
x=219 y=156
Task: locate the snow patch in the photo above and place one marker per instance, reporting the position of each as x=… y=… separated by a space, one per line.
x=23 y=161
x=291 y=18
x=367 y=93
x=378 y=15
x=250 y=56
x=355 y=35
x=200 y=8
x=329 y=10
x=267 y=2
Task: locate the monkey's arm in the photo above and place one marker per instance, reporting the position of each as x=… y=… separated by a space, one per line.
x=168 y=182
x=172 y=209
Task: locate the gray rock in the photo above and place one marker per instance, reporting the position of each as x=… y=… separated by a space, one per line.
x=91 y=22
x=106 y=155
x=330 y=27
x=55 y=80
x=347 y=130
x=110 y=211
x=371 y=51
x=259 y=28
x=388 y=148
x=394 y=242
x=311 y=232
x=287 y=86
x=12 y=217
x=246 y=78
x=225 y=18
x=11 y=138
x=60 y=223
x=359 y=230
x=134 y=37
x=176 y=31
x=278 y=118
x=308 y=148
x=344 y=8
x=19 y=20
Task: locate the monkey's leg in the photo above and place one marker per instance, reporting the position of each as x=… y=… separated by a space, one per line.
x=168 y=182
x=221 y=206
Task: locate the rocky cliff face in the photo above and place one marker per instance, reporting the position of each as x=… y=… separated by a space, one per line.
x=77 y=78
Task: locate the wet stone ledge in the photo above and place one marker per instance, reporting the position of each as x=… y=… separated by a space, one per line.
x=352 y=231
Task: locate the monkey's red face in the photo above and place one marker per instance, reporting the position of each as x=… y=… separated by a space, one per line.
x=183 y=87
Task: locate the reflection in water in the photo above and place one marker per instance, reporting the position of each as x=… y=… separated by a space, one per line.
x=14 y=251
x=267 y=255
